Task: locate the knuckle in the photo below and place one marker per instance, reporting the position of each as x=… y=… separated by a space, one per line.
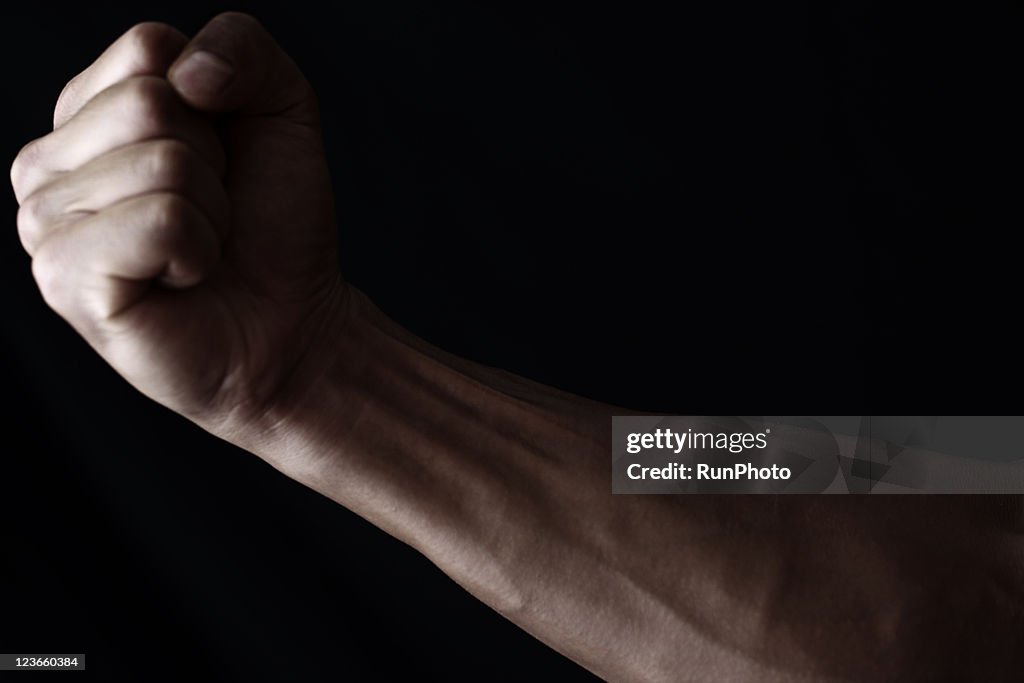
x=27 y=158
x=29 y=221
x=172 y=217
x=169 y=163
x=150 y=101
x=147 y=41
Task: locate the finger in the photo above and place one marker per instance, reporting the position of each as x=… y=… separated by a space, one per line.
x=146 y=49
x=134 y=110
x=102 y=265
x=234 y=65
x=163 y=165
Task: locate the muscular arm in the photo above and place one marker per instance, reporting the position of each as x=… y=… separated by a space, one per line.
x=501 y=482
x=504 y=484
x=201 y=261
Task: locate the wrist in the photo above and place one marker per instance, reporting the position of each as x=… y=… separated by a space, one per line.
x=278 y=412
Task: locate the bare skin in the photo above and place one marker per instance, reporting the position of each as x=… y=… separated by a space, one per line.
x=180 y=217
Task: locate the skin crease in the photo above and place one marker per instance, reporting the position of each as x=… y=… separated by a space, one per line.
x=180 y=217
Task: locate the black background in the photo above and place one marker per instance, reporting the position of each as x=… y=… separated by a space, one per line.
x=795 y=208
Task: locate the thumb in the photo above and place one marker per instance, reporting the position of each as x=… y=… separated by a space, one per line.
x=234 y=65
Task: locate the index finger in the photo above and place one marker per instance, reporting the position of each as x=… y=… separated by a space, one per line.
x=146 y=49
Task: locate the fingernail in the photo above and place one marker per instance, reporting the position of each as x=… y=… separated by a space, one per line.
x=201 y=74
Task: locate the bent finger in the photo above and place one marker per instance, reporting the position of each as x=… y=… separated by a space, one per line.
x=162 y=165
x=102 y=265
x=134 y=110
x=146 y=49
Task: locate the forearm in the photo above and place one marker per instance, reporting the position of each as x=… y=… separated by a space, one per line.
x=501 y=482
x=386 y=417
x=505 y=485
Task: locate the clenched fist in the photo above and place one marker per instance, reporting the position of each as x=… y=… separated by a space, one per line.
x=180 y=217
